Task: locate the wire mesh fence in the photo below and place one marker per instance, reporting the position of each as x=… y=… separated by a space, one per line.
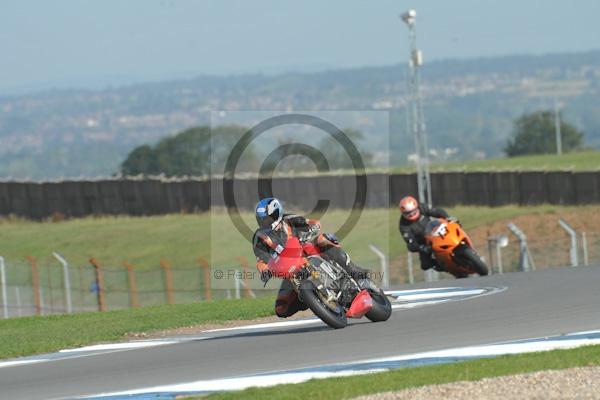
x=546 y=251
x=44 y=288
x=29 y=287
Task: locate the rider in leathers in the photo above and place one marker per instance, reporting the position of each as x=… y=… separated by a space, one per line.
x=269 y=240
x=412 y=226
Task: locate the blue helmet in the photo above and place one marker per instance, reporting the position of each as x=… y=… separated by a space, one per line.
x=269 y=213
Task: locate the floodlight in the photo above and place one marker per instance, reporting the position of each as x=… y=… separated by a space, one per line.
x=409 y=17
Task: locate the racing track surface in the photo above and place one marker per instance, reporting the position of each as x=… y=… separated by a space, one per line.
x=540 y=303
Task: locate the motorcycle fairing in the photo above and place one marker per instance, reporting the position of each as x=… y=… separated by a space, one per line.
x=361 y=305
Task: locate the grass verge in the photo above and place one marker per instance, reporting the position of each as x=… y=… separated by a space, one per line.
x=143 y=241
x=576 y=161
x=349 y=387
x=33 y=335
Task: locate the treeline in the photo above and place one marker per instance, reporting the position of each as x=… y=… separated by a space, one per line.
x=536 y=133
x=193 y=152
x=203 y=151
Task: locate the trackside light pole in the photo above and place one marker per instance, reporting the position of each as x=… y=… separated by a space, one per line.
x=416 y=116
x=557 y=128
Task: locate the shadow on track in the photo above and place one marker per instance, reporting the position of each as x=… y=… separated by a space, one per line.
x=282 y=331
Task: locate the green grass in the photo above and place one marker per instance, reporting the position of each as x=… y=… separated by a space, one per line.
x=143 y=241
x=33 y=335
x=578 y=161
x=180 y=239
x=349 y=387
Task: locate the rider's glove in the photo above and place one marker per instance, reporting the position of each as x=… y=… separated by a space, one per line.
x=266 y=275
x=332 y=238
x=310 y=233
x=425 y=249
x=453 y=219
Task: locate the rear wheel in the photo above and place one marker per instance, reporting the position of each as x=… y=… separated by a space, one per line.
x=474 y=262
x=334 y=318
x=382 y=308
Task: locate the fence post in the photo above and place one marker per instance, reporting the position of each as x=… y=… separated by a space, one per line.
x=525 y=256
x=206 y=267
x=3 y=283
x=35 y=282
x=18 y=298
x=497 y=242
x=432 y=275
x=411 y=275
x=490 y=242
x=573 y=234
x=166 y=266
x=67 y=280
x=244 y=264
x=237 y=285
x=385 y=278
x=133 y=294
x=584 y=243
x=99 y=284
x=499 y=266
x=50 y=295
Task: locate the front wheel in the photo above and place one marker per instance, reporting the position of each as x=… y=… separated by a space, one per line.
x=308 y=295
x=474 y=262
x=382 y=308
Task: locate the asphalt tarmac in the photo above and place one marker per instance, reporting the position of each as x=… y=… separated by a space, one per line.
x=534 y=304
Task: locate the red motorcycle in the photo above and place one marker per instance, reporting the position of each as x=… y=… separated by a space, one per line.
x=325 y=287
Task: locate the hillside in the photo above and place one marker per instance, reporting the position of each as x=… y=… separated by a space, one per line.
x=469 y=107
x=577 y=161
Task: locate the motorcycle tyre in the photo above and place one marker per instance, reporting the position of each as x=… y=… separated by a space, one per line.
x=309 y=297
x=474 y=261
x=382 y=308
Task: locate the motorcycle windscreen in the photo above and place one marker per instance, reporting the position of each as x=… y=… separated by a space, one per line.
x=361 y=305
x=440 y=235
x=433 y=227
x=289 y=261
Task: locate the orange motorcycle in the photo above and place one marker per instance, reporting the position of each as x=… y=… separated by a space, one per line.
x=453 y=249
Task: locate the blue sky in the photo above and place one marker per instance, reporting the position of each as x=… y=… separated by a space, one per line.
x=82 y=43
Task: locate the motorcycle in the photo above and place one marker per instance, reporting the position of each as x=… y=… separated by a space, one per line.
x=453 y=249
x=325 y=287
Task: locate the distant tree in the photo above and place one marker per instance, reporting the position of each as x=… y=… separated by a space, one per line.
x=187 y=153
x=329 y=154
x=338 y=157
x=535 y=134
x=196 y=151
x=142 y=160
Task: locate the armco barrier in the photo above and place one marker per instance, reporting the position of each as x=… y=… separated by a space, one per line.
x=155 y=196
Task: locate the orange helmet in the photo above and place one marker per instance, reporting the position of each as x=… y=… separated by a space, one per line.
x=409 y=207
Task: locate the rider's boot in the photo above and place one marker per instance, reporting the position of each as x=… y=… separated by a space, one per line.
x=342 y=258
x=356 y=272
